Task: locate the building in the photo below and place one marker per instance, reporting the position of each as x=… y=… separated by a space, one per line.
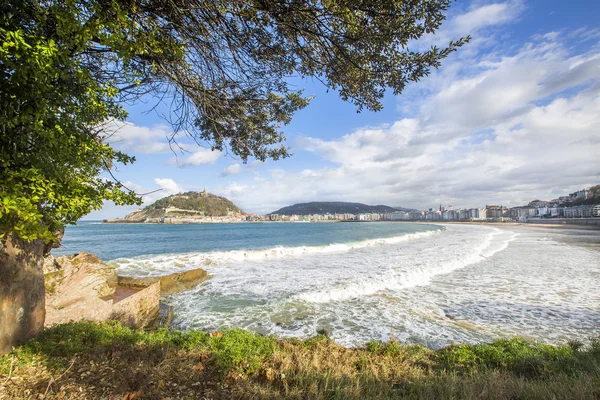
x=368 y=217
x=396 y=216
x=493 y=211
x=449 y=215
x=434 y=216
x=483 y=213
x=585 y=211
x=580 y=194
x=522 y=213
x=416 y=215
x=274 y=217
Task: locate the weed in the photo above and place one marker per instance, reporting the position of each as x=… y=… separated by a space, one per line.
x=106 y=360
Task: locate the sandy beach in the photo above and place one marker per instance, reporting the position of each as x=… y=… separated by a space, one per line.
x=564 y=225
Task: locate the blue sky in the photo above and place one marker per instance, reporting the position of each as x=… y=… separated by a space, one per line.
x=513 y=116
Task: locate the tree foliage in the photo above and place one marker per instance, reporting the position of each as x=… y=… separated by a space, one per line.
x=67 y=67
x=198 y=203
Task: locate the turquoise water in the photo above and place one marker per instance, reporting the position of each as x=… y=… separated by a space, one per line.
x=112 y=241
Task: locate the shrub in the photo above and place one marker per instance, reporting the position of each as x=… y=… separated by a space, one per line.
x=240 y=350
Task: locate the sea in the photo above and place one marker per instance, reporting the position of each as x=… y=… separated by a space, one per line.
x=431 y=284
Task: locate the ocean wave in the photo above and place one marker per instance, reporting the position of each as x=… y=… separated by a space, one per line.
x=166 y=263
x=415 y=276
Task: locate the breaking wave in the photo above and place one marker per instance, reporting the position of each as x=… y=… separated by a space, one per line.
x=415 y=275
x=152 y=265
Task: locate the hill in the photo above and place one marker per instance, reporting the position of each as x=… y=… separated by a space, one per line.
x=333 y=207
x=593 y=198
x=189 y=205
x=405 y=209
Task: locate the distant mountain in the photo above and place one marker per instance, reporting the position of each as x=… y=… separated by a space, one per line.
x=405 y=209
x=189 y=205
x=332 y=207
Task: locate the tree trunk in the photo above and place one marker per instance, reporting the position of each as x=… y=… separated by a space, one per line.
x=22 y=292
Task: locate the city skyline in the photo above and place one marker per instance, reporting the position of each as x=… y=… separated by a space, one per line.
x=583 y=203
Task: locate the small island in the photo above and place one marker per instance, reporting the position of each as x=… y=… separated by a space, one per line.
x=185 y=208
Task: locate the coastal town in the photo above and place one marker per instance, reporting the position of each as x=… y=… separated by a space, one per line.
x=582 y=204
x=562 y=207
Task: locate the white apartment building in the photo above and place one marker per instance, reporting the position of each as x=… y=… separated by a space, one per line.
x=585 y=211
x=368 y=217
x=396 y=216
x=433 y=216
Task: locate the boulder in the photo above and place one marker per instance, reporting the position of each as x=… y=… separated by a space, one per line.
x=169 y=284
x=76 y=286
x=140 y=309
x=75 y=276
x=82 y=287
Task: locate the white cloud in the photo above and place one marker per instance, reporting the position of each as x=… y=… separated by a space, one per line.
x=130 y=138
x=519 y=126
x=168 y=186
x=473 y=22
x=233 y=169
x=199 y=157
x=585 y=34
x=486 y=16
x=235 y=188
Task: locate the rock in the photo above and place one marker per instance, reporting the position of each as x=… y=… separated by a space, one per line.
x=82 y=287
x=323 y=332
x=75 y=287
x=139 y=310
x=77 y=276
x=169 y=284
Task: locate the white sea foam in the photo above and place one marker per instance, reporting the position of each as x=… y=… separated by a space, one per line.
x=466 y=283
x=167 y=263
x=407 y=276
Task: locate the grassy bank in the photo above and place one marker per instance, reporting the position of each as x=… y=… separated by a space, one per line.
x=87 y=360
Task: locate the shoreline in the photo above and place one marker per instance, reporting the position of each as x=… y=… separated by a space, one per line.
x=507 y=224
x=551 y=225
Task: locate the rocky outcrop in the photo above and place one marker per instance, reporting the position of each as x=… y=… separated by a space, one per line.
x=76 y=276
x=76 y=288
x=22 y=308
x=82 y=287
x=140 y=308
x=169 y=284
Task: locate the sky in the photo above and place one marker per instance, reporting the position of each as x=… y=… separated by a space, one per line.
x=513 y=116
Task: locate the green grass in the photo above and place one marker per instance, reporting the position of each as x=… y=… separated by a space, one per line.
x=108 y=360
x=234 y=349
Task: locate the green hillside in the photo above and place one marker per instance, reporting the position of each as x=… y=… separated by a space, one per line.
x=189 y=204
x=332 y=207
